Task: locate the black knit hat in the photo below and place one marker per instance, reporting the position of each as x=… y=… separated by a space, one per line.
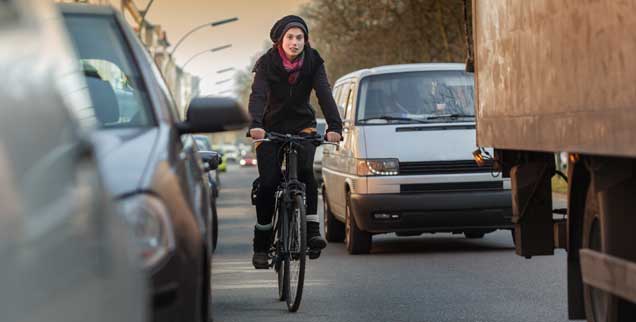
x=281 y=26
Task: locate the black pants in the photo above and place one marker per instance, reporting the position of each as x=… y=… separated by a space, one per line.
x=269 y=156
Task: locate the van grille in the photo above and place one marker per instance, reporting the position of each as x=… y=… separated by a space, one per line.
x=452 y=186
x=444 y=167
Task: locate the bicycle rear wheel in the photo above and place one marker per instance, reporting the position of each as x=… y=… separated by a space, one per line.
x=295 y=262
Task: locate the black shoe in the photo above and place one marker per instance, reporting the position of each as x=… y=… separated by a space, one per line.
x=260 y=260
x=314 y=240
x=313 y=253
x=262 y=242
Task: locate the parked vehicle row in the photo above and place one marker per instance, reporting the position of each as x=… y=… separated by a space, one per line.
x=108 y=205
x=405 y=164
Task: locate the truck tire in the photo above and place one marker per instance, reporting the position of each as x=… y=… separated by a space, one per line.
x=474 y=234
x=334 y=229
x=356 y=240
x=600 y=306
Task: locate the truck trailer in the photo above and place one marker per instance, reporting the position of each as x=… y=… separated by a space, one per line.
x=557 y=76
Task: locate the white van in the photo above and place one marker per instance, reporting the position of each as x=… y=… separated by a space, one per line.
x=406 y=164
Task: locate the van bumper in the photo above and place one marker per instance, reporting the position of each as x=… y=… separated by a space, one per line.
x=433 y=212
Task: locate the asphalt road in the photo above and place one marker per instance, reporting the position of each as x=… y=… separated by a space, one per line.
x=439 y=277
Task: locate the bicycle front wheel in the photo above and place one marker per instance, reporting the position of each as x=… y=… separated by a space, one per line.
x=295 y=262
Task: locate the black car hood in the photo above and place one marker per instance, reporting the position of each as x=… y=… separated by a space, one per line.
x=123 y=157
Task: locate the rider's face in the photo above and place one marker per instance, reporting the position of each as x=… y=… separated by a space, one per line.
x=293 y=42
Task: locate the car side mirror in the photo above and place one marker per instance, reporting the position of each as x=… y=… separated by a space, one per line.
x=213 y=114
x=211 y=159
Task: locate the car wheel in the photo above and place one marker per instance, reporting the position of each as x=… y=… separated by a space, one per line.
x=334 y=229
x=356 y=240
x=215 y=227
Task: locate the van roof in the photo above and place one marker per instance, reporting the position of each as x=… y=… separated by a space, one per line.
x=389 y=69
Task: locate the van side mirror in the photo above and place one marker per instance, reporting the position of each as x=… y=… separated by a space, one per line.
x=211 y=159
x=213 y=114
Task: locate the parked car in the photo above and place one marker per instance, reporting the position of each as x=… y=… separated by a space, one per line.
x=64 y=250
x=211 y=160
x=231 y=152
x=321 y=127
x=406 y=163
x=156 y=178
x=203 y=144
x=248 y=160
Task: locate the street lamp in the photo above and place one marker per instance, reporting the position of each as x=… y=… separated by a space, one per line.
x=203 y=52
x=209 y=24
x=221 y=71
x=223 y=81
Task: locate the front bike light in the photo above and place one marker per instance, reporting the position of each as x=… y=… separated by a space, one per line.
x=151 y=226
x=378 y=167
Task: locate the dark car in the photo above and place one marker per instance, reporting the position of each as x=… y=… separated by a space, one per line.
x=156 y=178
x=203 y=143
x=211 y=160
x=248 y=159
x=64 y=251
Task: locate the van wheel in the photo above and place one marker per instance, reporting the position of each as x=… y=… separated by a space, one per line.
x=334 y=230
x=357 y=241
x=600 y=306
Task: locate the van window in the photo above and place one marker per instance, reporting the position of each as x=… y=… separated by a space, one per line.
x=349 y=103
x=415 y=97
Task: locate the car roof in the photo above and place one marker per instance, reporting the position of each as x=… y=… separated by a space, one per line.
x=401 y=68
x=83 y=8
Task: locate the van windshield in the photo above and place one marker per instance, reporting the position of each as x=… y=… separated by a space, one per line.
x=417 y=97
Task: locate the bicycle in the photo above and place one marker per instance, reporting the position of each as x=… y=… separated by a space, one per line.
x=288 y=252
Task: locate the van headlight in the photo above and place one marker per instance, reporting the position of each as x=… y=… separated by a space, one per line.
x=151 y=226
x=378 y=167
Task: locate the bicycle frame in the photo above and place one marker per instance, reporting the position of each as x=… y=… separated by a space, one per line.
x=285 y=194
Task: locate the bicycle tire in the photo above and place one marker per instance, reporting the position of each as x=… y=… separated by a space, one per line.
x=278 y=265
x=294 y=263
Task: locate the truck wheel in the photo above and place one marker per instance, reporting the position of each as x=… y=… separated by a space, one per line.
x=474 y=234
x=334 y=230
x=357 y=241
x=600 y=306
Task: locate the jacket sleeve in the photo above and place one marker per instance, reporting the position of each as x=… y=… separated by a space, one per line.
x=258 y=98
x=326 y=101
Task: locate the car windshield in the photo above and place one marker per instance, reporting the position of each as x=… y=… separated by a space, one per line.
x=118 y=96
x=417 y=97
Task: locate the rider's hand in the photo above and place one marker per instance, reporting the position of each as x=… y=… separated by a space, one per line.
x=257 y=133
x=333 y=137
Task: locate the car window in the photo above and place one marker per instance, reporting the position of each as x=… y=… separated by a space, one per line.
x=431 y=96
x=118 y=95
x=321 y=127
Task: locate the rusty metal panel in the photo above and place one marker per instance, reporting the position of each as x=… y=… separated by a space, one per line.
x=556 y=75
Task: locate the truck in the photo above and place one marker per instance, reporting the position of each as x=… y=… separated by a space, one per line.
x=555 y=76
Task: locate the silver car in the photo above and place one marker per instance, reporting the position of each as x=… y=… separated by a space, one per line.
x=66 y=256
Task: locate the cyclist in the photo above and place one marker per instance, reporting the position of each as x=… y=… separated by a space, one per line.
x=279 y=102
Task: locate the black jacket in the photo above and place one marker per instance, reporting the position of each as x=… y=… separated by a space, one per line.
x=277 y=106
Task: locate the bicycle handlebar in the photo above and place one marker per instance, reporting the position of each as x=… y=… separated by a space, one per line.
x=279 y=137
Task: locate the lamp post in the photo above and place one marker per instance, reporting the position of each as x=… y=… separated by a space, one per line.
x=209 y=24
x=203 y=52
x=221 y=71
x=223 y=81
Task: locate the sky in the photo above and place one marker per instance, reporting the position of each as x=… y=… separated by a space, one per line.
x=248 y=36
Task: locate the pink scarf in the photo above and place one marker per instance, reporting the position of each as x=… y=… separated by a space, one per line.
x=292 y=67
